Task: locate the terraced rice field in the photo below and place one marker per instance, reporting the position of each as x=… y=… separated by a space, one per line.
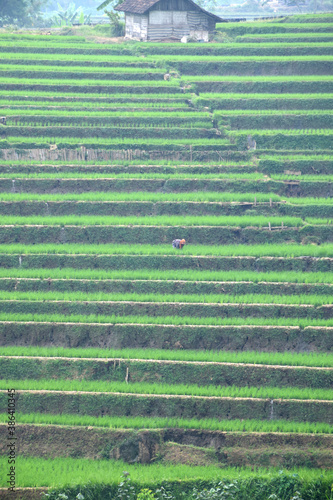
x=119 y=346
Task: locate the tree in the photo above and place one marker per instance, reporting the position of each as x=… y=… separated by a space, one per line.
x=117 y=26
x=290 y=3
x=21 y=12
x=108 y=2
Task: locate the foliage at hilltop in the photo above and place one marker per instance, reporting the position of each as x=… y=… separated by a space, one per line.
x=20 y=12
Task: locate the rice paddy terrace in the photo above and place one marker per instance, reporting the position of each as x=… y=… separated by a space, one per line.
x=203 y=363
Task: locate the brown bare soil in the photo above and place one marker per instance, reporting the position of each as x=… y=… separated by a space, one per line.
x=195 y=447
x=104 y=39
x=189 y=455
x=263 y=456
x=22 y=493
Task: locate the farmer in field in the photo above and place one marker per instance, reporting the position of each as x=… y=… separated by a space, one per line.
x=178 y=244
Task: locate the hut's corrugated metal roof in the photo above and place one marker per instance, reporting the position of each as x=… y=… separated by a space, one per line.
x=141 y=6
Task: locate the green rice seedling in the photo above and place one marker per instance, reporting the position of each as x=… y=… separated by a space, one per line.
x=284 y=131
x=107 y=98
x=114 y=59
x=300 y=157
x=307 y=178
x=153 y=56
x=241 y=221
x=117 y=142
x=134 y=115
x=34 y=99
x=217 y=59
x=198 y=197
x=122 y=124
x=279 y=112
x=86 y=82
x=288 y=36
x=21 y=103
x=261 y=78
x=210 y=95
x=162 y=59
x=160 y=274
x=150 y=52
x=274 y=101
x=310 y=201
x=36 y=38
x=79 y=69
x=165 y=320
x=125 y=163
x=312 y=359
x=166 y=389
x=277 y=121
x=317 y=221
x=53 y=50
x=64 y=471
x=111 y=175
x=308 y=18
x=145 y=282
x=275 y=250
x=101 y=97
x=261 y=28
x=69 y=39
x=236 y=425
x=143 y=196
x=315 y=300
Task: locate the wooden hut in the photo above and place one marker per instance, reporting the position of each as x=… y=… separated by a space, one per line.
x=156 y=20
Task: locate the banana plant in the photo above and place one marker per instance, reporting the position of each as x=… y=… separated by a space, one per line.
x=66 y=17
